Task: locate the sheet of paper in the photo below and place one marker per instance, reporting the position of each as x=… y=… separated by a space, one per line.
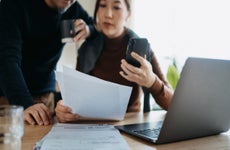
x=84 y=137
x=91 y=97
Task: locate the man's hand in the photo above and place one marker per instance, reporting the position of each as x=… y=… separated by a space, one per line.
x=82 y=30
x=38 y=114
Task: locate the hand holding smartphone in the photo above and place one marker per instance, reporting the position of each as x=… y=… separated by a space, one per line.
x=139 y=46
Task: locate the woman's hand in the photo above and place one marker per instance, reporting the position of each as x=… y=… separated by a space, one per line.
x=82 y=30
x=38 y=114
x=143 y=76
x=64 y=113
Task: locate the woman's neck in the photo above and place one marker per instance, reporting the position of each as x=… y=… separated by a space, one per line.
x=117 y=35
x=115 y=42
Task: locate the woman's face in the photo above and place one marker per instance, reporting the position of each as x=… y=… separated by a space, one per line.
x=112 y=16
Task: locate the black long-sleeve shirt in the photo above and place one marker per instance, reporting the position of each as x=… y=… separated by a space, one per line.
x=30 y=46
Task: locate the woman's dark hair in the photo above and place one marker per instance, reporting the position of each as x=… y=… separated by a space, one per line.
x=127 y=2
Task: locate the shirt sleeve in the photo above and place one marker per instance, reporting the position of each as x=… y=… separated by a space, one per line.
x=161 y=89
x=12 y=82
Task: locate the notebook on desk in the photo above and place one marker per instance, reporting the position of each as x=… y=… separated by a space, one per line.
x=200 y=105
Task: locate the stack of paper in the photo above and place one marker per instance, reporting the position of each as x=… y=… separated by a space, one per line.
x=83 y=137
x=91 y=97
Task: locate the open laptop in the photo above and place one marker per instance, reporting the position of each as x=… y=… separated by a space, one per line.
x=200 y=105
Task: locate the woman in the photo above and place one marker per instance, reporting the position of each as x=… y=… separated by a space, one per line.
x=103 y=57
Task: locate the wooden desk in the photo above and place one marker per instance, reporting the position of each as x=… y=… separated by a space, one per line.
x=219 y=142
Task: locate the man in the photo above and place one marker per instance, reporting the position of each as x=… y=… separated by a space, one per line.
x=30 y=46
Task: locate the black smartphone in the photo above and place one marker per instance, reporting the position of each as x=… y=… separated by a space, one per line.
x=138 y=45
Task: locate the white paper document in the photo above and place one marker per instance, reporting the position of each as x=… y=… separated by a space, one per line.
x=91 y=97
x=84 y=137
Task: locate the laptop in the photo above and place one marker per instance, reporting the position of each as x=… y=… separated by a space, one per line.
x=200 y=105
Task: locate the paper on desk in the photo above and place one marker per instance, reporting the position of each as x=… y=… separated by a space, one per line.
x=84 y=136
x=91 y=97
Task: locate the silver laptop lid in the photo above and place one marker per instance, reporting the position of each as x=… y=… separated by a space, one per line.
x=200 y=105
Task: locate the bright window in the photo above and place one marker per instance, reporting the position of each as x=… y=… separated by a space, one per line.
x=183 y=28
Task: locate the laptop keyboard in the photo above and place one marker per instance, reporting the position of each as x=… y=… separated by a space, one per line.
x=154 y=132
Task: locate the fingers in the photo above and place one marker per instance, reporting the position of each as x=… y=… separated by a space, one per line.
x=38 y=114
x=139 y=58
x=130 y=69
x=82 y=30
x=143 y=76
x=61 y=107
x=64 y=113
x=68 y=117
x=129 y=72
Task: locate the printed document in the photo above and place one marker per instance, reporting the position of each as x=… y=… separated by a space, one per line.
x=91 y=97
x=83 y=137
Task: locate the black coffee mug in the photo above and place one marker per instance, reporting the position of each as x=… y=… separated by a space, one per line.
x=68 y=30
